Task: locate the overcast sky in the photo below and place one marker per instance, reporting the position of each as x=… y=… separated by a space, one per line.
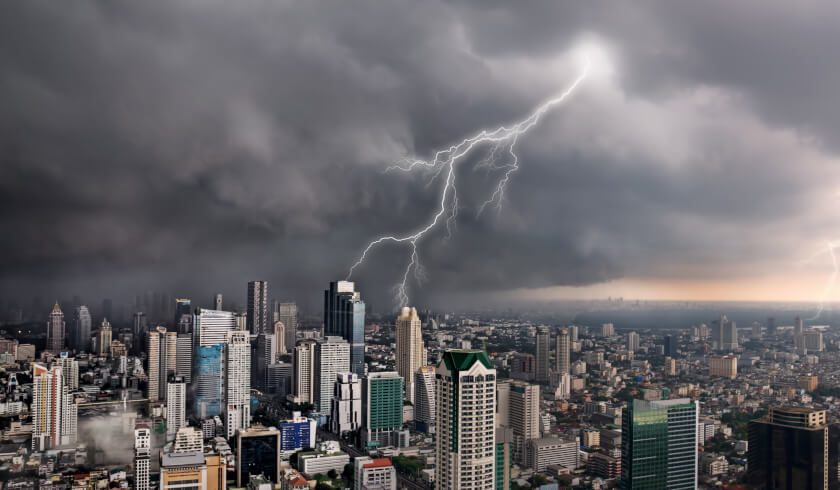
x=189 y=147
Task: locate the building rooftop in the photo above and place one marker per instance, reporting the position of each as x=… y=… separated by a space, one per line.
x=181 y=459
x=378 y=463
x=459 y=360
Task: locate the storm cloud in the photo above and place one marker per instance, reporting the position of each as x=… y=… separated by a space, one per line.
x=193 y=146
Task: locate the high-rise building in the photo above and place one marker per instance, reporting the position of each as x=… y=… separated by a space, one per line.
x=521 y=413
x=279 y=338
x=69 y=369
x=465 y=449
x=162 y=361
x=545 y=451
x=659 y=444
x=287 y=314
x=257 y=453
x=797 y=326
x=183 y=316
x=176 y=404
x=633 y=342
x=139 y=330
x=607 y=330
x=755 y=333
x=424 y=398
x=410 y=352
x=504 y=458
x=184 y=356
x=208 y=376
x=771 y=326
x=346 y=412
x=264 y=354
x=303 y=378
x=257 y=312
x=725 y=366
x=332 y=356
x=543 y=351
x=237 y=382
x=55 y=330
x=382 y=412
x=574 y=330
x=377 y=473
x=142 y=456
x=217 y=303
x=297 y=433
x=54 y=415
x=210 y=327
x=344 y=316
x=81 y=328
x=788 y=449
x=728 y=334
x=103 y=339
x=562 y=351
x=671 y=346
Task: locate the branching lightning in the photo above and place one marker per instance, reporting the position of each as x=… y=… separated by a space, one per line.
x=502 y=142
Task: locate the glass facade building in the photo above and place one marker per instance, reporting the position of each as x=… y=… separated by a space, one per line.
x=659 y=445
x=344 y=316
x=208 y=378
x=257 y=453
x=382 y=402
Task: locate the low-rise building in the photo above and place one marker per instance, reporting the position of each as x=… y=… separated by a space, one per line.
x=376 y=473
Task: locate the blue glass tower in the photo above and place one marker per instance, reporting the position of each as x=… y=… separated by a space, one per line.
x=344 y=316
x=208 y=378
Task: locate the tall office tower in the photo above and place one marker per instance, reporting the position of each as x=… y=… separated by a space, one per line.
x=729 y=334
x=797 y=326
x=633 y=342
x=607 y=330
x=257 y=313
x=139 y=330
x=176 y=404
x=542 y=354
x=237 y=382
x=659 y=444
x=210 y=327
x=344 y=316
x=279 y=338
x=382 y=414
x=218 y=302
x=287 y=313
x=142 y=456
x=303 y=379
x=504 y=458
x=771 y=326
x=103 y=339
x=346 y=412
x=424 y=399
x=55 y=330
x=54 y=415
x=184 y=356
x=208 y=374
x=162 y=351
x=755 y=334
x=183 y=308
x=671 y=346
x=411 y=354
x=69 y=369
x=153 y=366
x=332 y=356
x=574 y=330
x=81 y=328
x=789 y=449
x=523 y=415
x=562 y=351
x=265 y=353
x=466 y=405
x=257 y=452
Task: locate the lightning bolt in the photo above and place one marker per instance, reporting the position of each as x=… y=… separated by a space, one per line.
x=832 y=279
x=502 y=141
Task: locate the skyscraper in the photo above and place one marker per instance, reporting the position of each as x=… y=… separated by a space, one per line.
x=303 y=378
x=522 y=411
x=210 y=327
x=287 y=313
x=788 y=449
x=562 y=352
x=542 y=354
x=176 y=404
x=208 y=375
x=344 y=316
x=69 y=369
x=382 y=404
x=671 y=346
x=54 y=415
x=139 y=331
x=264 y=353
x=332 y=356
x=55 y=330
x=466 y=391
x=755 y=334
x=81 y=328
x=659 y=444
x=257 y=312
x=103 y=339
x=142 y=456
x=410 y=352
x=279 y=338
x=771 y=326
x=633 y=342
x=729 y=334
x=257 y=452
x=184 y=356
x=346 y=411
x=424 y=398
x=237 y=382
x=797 y=326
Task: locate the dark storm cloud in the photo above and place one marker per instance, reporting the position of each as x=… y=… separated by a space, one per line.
x=193 y=146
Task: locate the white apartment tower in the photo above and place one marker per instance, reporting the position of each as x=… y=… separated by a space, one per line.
x=54 y=415
x=424 y=397
x=303 y=377
x=346 y=412
x=237 y=387
x=466 y=406
x=411 y=354
x=142 y=457
x=176 y=405
x=332 y=356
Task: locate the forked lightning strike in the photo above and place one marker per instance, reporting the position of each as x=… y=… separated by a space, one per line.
x=502 y=141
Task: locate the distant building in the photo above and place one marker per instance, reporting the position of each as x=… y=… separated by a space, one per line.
x=808 y=382
x=723 y=366
x=344 y=316
x=287 y=314
x=55 y=330
x=788 y=449
x=562 y=351
x=257 y=312
x=410 y=351
x=238 y=382
x=552 y=451
x=81 y=329
x=54 y=415
x=755 y=333
x=633 y=342
x=519 y=410
x=607 y=330
x=604 y=466
x=543 y=351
